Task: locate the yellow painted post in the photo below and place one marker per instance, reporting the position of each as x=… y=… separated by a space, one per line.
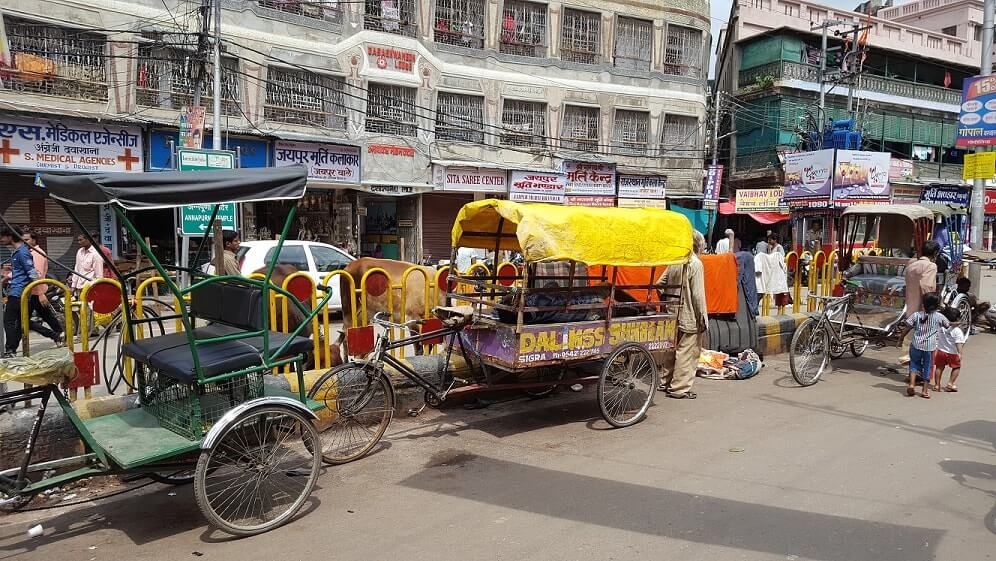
x=326 y=318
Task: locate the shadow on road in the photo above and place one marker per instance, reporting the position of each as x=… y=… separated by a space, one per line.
x=673 y=514
x=965 y=471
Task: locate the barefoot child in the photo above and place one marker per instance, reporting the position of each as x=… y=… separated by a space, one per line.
x=925 y=326
x=950 y=343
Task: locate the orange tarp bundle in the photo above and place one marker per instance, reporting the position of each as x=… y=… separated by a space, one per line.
x=720 y=283
x=628 y=276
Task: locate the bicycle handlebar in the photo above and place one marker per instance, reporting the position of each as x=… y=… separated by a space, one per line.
x=383 y=319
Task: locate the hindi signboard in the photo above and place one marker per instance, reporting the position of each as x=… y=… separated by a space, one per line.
x=977 y=120
x=954 y=195
x=642 y=186
x=55 y=145
x=337 y=163
x=470 y=180
x=809 y=175
x=536 y=187
x=861 y=176
x=584 y=178
x=979 y=166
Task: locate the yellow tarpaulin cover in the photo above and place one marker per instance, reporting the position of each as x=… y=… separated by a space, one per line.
x=639 y=237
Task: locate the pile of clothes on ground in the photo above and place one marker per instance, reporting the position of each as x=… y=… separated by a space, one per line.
x=721 y=366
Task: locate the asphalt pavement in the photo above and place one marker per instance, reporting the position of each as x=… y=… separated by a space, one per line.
x=847 y=470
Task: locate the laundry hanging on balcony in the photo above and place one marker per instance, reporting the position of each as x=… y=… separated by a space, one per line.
x=33 y=68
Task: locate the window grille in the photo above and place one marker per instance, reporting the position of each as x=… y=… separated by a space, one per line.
x=304 y=98
x=629 y=133
x=460 y=22
x=524 y=123
x=166 y=78
x=580 y=128
x=391 y=16
x=523 y=29
x=679 y=136
x=634 y=43
x=55 y=60
x=459 y=117
x=683 y=51
x=580 y=33
x=326 y=10
x=391 y=110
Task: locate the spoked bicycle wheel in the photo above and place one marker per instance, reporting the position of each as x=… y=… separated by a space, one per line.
x=858 y=348
x=259 y=472
x=809 y=353
x=359 y=404
x=627 y=385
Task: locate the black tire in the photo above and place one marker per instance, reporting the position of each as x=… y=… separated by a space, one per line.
x=858 y=348
x=809 y=342
x=627 y=384
x=359 y=405
x=837 y=350
x=259 y=446
x=113 y=339
x=180 y=477
x=553 y=374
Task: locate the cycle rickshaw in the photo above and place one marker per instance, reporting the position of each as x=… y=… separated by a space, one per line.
x=583 y=309
x=205 y=413
x=874 y=303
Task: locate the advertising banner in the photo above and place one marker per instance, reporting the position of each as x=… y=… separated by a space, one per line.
x=713 y=181
x=586 y=200
x=326 y=162
x=861 y=176
x=536 y=187
x=990 y=204
x=55 y=145
x=977 y=121
x=809 y=175
x=583 y=178
x=191 y=126
x=642 y=186
x=760 y=200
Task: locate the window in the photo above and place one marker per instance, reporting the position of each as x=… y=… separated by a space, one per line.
x=634 y=43
x=580 y=129
x=290 y=254
x=327 y=10
x=460 y=22
x=391 y=110
x=328 y=259
x=391 y=16
x=55 y=60
x=165 y=78
x=459 y=117
x=523 y=29
x=683 y=51
x=629 y=133
x=679 y=136
x=524 y=123
x=952 y=31
x=579 y=39
x=304 y=98
x=977 y=31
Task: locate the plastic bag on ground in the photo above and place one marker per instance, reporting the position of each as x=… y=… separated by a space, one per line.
x=53 y=366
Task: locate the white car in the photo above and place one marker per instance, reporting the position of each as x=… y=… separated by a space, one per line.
x=315 y=258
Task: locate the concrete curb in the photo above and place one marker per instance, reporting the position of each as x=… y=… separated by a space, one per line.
x=774 y=333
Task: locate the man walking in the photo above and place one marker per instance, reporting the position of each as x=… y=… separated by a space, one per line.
x=22 y=272
x=725 y=245
x=89 y=266
x=921 y=276
x=693 y=320
x=39 y=300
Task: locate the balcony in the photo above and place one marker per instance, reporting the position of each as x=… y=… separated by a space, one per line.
x=809 y=73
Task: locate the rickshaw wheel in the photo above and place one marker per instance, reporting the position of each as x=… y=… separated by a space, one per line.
x=181 y=477
x=809 y=343
x=259 y=472
x=555 y=374
x=627 y=384
x=858 y=348
x=359 y=405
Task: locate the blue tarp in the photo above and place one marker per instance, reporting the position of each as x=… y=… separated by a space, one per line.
x=698 y=218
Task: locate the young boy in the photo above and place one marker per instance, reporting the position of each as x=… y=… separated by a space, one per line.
x=950 y=343
x=925 y=326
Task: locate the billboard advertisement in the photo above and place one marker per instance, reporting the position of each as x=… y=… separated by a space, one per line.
x=808 y=175
x=861 y=176
x=977 y=121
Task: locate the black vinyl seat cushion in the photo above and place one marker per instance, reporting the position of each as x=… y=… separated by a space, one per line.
x=298 y=344
x=215 y=359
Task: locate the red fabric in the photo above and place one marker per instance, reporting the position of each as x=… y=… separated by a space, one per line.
x=944 y=360
x=728 y=207
x=108 y=273
x=720 y=274
x=768 y=217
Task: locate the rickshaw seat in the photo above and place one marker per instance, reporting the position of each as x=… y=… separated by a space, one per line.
x=215 y=358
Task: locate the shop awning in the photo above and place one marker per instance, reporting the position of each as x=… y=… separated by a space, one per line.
x=768 y=217
x=729 y=207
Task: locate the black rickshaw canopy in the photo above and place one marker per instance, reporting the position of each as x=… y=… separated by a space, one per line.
x=167 y=189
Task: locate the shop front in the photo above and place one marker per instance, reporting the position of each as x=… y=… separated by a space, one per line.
x=453 y=187
x=590 y=184
x=160 y=225
x=327 y=213
x=389 y=203
x=755 y=212
x=30 y=146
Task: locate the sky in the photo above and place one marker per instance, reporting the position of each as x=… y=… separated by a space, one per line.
x=721 y=12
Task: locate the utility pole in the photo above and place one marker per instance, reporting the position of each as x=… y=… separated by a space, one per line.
x=979 y=186
x=855 y=73
x=824 y=27
x=715 y=127
x=216 y=137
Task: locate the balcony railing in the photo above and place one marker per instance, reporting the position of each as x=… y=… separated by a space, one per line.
x=785 y=70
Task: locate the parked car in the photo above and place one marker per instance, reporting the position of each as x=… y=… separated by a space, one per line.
x=315 y=258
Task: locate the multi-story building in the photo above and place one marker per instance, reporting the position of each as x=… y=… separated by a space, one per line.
x=906 y=100
x=403 y=110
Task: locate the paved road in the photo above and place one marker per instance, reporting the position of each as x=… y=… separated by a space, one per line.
x=847 y=470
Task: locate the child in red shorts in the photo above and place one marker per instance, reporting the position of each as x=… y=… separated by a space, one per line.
x=950 y=342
